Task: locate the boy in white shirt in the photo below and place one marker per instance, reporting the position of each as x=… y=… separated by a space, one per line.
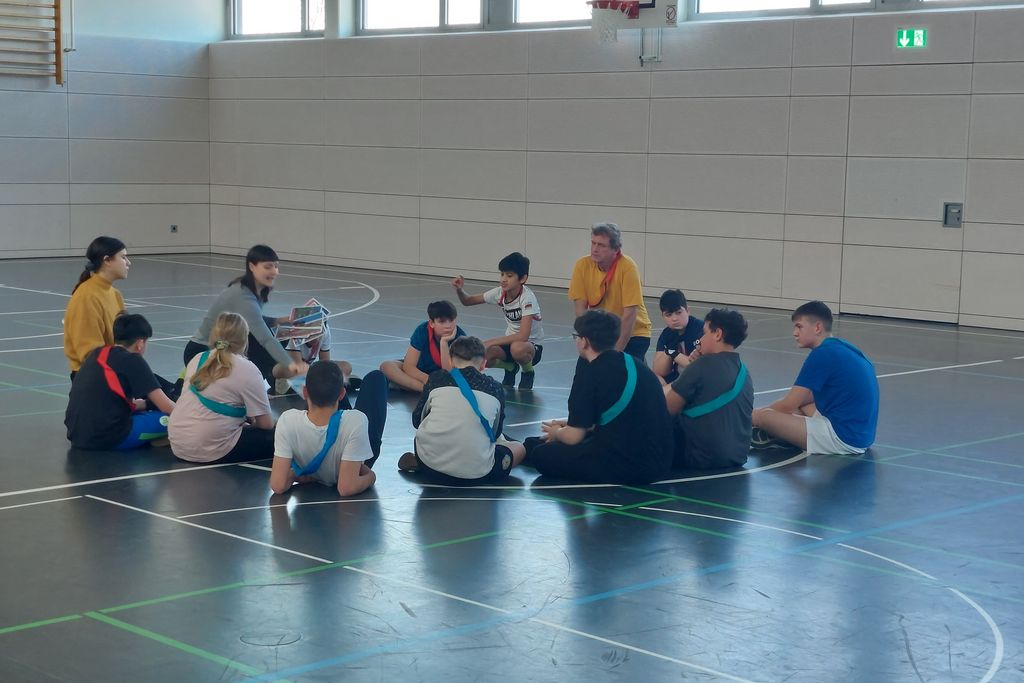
x=518 y=347
x=327 y=445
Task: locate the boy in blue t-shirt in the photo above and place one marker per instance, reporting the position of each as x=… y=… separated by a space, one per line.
x=428 y=348
x=833 y=405
x=680 y=337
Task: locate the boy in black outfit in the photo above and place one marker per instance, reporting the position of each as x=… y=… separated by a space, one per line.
x=619 y=430
x=714 y=397
x=679 y=338
x=107 y=406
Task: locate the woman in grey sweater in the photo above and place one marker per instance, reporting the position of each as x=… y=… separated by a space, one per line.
x=245 y=296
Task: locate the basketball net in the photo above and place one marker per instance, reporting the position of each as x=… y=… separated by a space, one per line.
x=607 y=16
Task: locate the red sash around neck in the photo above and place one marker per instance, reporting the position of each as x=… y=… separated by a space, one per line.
x=108 y=373
x=435 y=347
x=609 y=274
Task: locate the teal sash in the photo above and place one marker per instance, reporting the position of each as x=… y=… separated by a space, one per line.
x=210 y=404
x=463 y=386
x=627 y=392
x=723 y=400
x=333 y=427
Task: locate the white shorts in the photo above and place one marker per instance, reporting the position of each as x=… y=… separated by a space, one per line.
x=821 y=438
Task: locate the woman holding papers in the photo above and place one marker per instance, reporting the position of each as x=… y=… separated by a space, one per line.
x=245 y=296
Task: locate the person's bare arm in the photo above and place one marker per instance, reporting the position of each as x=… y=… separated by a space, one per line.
x=579 y=306
x=661 y=365
x=412 y=357
x=282 y=476
x=263 y=421
x=793 y=401
x=558 y=430
x=158 y=398
x=354 y=477
x=674 y=401
x=628 y=320
x=466 y=299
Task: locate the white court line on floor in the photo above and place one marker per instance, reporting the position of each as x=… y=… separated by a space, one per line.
x=38 y=502
x=61 y=348
x=544 y=622
x=365 y=500
x=211 y=529
x=32 y=336
x=48 y=310
x=955 y=329
x=997 y=635
x=90 y=482
x=372 y=301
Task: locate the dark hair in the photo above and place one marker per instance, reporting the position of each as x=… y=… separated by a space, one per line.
x=672 y=300
x=259 y=253
x=815 y=310
x=467 y=348
x=131 y=327
x=324 y=383
x=731 y=323
x=599 y=327
x=99 y=250
x=515 y=263
x=442 y=310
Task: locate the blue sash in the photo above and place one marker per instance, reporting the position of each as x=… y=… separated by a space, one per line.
x=463 y=386
x=627 y=392
x=723 y=400
x=210 y=404
x=333 y=427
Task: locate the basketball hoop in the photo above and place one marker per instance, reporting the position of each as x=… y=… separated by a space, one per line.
x=607 y=15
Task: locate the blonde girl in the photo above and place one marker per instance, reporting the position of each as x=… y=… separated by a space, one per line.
x=223 y=414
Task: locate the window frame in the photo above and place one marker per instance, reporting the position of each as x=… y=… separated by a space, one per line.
x=235 y=10
x=495 y=15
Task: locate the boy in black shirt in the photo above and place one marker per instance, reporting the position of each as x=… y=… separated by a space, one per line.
x=714 y=397
x=619 y=430
x=679 y=338
x=107 y=406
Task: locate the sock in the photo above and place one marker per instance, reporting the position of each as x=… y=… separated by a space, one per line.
x=505 y=365
x=527 y=367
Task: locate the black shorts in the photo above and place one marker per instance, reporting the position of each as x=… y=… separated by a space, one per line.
x=538 y=351
x=499 y=471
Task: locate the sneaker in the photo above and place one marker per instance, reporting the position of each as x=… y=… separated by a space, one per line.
x=281 y=387
x=354 y=383
x=761 y=440
x=509 y=380
x=408 y=463
x=526 y=381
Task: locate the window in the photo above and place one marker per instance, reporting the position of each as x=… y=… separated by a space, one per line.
x=715 y=6
x=418 y=14
x=535 y=11
x=278 y=17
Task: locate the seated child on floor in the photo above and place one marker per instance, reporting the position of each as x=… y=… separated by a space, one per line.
x=318 y=350
x=680 y=337
x=426 y=352
x=518 y=347
x=107 y=406
x=326 y=444
x=458 y=423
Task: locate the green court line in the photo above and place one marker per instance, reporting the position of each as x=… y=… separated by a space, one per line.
x=935 y=471
x=980 y=441
x=623 y=511
x=66 y=375
x=36 y=624
x=63 y=396
x=176 y=644
x=308 y=570
x=983 y=461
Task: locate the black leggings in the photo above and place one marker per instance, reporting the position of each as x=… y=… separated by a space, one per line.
x=586 y=461
x=256 y=353
x=253 y=444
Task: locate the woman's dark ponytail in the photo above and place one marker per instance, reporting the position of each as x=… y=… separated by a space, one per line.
x=100 y=249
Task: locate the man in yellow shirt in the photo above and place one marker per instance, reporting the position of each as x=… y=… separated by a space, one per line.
x=610 y=280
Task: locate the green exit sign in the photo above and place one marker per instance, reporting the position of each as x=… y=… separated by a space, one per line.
x=910 y=38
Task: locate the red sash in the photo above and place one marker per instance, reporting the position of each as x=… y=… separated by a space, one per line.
x=435 y=348
x=605 y=282
x=108 y=373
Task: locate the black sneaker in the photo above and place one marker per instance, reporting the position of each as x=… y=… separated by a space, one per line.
x=354 y=383
x=526 y=381
x=509 y=380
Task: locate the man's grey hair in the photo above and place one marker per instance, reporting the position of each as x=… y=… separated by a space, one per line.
x=609 y=230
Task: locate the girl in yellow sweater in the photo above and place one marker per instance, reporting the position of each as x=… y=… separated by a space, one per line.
x=94 y=303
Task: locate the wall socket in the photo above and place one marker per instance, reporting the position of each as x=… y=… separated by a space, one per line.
x=174 y=228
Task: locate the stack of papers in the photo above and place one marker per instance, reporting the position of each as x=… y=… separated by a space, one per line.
x=305 y=326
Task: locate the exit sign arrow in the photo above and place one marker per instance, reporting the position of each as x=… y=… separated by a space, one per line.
x=910 y=38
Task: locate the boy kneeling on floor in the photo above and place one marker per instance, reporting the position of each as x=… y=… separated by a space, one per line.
x=107 y=408
x=328 y=445
x=458 y=423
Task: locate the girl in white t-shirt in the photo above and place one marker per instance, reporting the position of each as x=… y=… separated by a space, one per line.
x=225 y=415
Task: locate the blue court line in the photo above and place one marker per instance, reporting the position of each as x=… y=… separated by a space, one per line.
x=932 y=470
x=597 y=597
